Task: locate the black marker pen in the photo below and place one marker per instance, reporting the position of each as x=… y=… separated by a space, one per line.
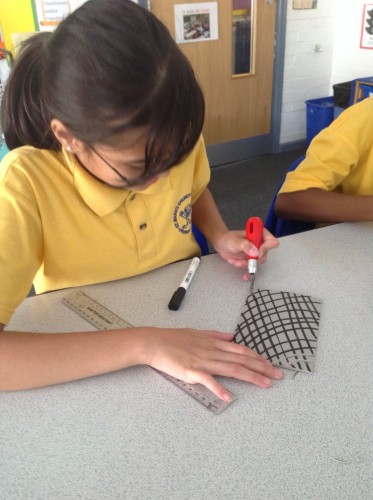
x=178 y=296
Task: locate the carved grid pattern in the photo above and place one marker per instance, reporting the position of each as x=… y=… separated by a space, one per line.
x=281 y=326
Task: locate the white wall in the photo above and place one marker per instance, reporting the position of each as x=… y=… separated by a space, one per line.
x=307 y=74
x=349 y=60
x=336 y=26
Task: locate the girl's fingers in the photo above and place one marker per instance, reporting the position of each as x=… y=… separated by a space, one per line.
x=242 y=362
x=232 y=347
x=229 y=370
x=238 y=355
x=270 y=239
x=239 y=349
x=217 y=335
x=241 y=263
x=211 y=384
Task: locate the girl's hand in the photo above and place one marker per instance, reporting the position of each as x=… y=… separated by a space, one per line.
x=195 y=356
x=233 y=247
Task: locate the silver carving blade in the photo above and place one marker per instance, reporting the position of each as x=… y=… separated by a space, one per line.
x=252 y=281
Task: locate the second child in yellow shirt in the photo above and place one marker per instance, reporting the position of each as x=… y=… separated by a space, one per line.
x=334 y=183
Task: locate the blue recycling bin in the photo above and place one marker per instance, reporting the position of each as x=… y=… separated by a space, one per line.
x=320 y=114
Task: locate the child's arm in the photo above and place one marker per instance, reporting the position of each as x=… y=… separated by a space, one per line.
x=29 y=360
x=232 y=246
x=317 y=205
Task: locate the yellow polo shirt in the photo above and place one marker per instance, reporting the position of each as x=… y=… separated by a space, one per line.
x=60 y=227
x=340 y=157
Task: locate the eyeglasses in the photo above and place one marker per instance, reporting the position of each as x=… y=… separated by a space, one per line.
x=128 y=182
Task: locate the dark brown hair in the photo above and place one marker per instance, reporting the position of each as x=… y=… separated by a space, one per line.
x=109 y=66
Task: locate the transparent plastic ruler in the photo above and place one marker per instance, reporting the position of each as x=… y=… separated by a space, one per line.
x=103 y=319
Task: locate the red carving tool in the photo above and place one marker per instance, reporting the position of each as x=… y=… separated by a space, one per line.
x=254 y=233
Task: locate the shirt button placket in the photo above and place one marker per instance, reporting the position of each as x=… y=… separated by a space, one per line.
x=142 y=226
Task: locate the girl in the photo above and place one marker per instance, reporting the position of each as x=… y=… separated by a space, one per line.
x=106 y=172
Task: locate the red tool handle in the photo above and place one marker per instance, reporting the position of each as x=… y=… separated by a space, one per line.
x=254 y=231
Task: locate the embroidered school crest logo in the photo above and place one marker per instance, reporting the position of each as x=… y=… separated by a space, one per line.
x=183 y=214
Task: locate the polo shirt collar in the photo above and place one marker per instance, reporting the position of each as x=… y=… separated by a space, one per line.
x=103 y=199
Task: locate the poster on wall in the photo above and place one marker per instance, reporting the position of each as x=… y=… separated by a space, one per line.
x=196 y=22
x=50 y=12
x=366 y=39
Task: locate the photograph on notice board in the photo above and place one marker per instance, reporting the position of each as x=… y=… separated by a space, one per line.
x=366 y=39
x=196 y=22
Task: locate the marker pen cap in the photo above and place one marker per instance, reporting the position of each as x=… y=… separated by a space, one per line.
x=176 y=299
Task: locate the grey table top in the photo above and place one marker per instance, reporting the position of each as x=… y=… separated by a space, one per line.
x=132 y=434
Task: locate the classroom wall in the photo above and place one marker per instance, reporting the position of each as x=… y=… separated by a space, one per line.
x=336 y=27
x=307 y=71
x=349 y=60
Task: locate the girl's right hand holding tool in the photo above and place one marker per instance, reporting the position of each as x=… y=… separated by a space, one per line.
x=234 y=247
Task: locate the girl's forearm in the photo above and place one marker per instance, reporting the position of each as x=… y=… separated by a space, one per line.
x=29 y=360
x=207 y=218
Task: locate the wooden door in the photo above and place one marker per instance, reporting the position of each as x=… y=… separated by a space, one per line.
x=237 y=106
